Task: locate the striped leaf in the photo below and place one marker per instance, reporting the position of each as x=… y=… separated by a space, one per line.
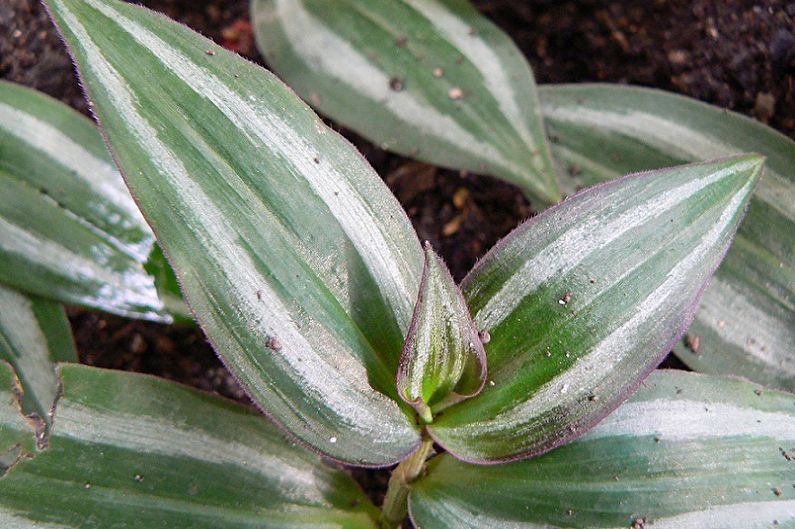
x=135 y=451
x=34 y=336
x=582 y=301
x=443 y=361
x=430 y=79
x=17 y=436
x=687 y=451
x=69 y=229
x=746 y=322
x=300 y=265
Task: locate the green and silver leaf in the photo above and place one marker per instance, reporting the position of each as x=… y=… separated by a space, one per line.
x=34 y=336
x=582 y=301
x=69 y=229
x=430 y=79
x=299 y=264
x=686 y=451
x=135 y=451
x=746 y=322
x=443 y=361
x=17 y=434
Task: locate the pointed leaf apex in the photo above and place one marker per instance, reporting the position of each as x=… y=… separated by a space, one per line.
x=443 y=360
x=584 y=299
x=339 y=305
x=753 y=163
x=744 y=170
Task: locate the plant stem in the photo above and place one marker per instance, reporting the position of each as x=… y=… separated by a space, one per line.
x=395 y=506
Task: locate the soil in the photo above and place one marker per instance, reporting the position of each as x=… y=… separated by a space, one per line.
x=737 y=54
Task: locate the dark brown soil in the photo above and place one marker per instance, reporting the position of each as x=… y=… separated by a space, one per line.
x=737 y=54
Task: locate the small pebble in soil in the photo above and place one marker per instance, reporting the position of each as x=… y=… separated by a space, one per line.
x=565 y=299
x=450 y=228
x=782 y=49
x=678 y=57
x=764 y=106
x=396 y=84
x=461 y=197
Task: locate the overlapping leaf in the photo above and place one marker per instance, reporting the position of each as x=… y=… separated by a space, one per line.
x=582 y=301
x=746 y=322
x=431 y=79
x=17 y=435
x=300 y=265
x=685 y=451
x=34 y=336
x=443 y=361
x=69 y=229
x=138 y=452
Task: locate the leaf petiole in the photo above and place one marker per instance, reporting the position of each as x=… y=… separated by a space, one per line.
x=395 y=506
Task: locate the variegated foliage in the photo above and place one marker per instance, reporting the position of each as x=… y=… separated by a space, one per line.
x=432 y=79
x=746 y=321
x=686 y=451
x=303 y=269
x=69 y=229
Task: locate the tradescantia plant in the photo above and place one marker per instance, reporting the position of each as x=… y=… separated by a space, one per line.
x=306 y=275
x=466 y=99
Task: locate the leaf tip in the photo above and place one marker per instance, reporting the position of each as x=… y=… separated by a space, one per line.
x=749 y=166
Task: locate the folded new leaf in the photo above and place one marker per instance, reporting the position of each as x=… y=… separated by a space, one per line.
x=69 y=228
x=135 y=451
x=299 y=264
x=686 y=451
x=745 y=325
x=443 y=361
x=583 y=300
x=430 y=79
x=34 y=336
